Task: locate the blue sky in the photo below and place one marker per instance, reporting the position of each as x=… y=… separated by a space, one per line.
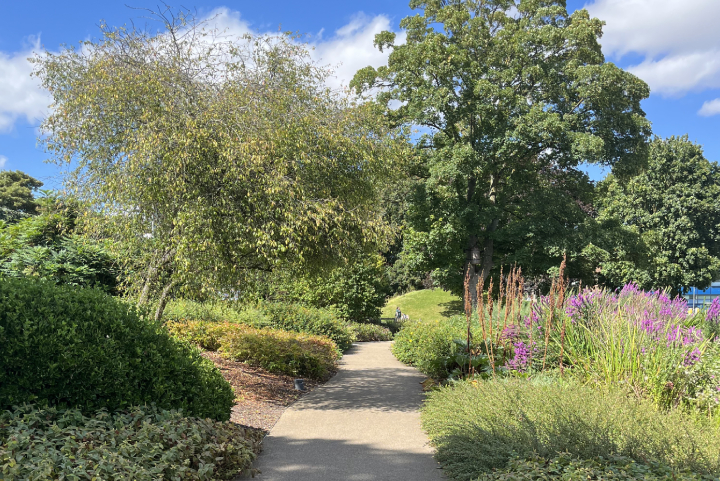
x=674 y=45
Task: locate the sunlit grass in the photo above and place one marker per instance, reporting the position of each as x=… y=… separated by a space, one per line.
x=426 y=304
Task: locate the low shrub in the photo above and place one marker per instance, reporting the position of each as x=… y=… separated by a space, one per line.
x=81 y=348
x=291 y=353
x=309 y=320
x=365 y=332
x=140 y=444
x=429 y=345
x=480 y=426
x=570 y=468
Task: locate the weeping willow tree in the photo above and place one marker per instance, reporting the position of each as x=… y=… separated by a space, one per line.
x=210 y=158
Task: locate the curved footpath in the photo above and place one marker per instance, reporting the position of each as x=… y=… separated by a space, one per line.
x=362 y=425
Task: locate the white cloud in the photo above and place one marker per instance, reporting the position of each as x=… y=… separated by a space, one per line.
x=678 y=41
x=352 y=47
x=348 y=50
x=3 y=161
x=710 y=108
x=20 y=94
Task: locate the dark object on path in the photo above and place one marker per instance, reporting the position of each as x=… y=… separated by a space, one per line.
x=299 y=385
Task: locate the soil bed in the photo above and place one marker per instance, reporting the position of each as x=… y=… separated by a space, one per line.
x=262 y=397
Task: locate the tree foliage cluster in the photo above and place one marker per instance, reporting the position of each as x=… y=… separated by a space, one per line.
x=513 y=98
x=211 y=158
x=47 y=246
x=225 y=166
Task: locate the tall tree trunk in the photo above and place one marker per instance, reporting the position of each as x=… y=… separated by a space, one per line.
x=480 y=268
x=488 y=250
x=470 y=263
x=471 y=267
x=164 y=297
x=489 y=247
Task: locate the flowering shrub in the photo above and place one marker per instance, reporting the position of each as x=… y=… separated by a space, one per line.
x=644 y=340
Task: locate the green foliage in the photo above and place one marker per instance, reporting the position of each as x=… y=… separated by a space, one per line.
x=430 y=345
x=366 y=332
x=16 y=192
x=515 y=94
x=142 y=443
x=290 y=177
x=357 y=291
x=670 y=214
x=309 y=320
x=284 y=352
x=570 y=468
x=209 y=311
x=478 y=426
x=80 y=348
x=45 y=246
x=425 y=304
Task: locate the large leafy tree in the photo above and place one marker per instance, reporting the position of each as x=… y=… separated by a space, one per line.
x=511 y=97
x=666 y=221
x=211 y=158
x=17 y=194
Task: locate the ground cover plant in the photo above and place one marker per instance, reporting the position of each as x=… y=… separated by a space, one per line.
x=478 y=426
x=140 y=443
x=569 y=468
x=275 y=350
x=81 y=348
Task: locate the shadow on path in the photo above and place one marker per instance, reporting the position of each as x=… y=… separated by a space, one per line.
x=326 y=459
x=363 y=424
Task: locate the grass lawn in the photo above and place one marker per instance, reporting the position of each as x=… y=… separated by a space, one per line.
x=426 y=304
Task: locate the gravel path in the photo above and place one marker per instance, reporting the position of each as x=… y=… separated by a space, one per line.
x=362 y=425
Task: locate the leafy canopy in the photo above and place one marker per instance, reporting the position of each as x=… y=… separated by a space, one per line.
x=214 y=157
x=512 y=96
x=16 y=194
x=670 y=215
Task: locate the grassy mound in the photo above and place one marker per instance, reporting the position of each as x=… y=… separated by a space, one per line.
x=427 y=304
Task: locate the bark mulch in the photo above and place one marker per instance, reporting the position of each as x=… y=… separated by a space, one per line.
x=262 y=397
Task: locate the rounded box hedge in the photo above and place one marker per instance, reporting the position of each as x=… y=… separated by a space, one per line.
x=71 y=347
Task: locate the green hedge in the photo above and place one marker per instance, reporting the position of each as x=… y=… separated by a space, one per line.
x=139 y=444
x=291 y=353
x=479 y=426
x=297 y=318
x=366 y=332
x=570 y=468
x=80 y=348
x=429 y=346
